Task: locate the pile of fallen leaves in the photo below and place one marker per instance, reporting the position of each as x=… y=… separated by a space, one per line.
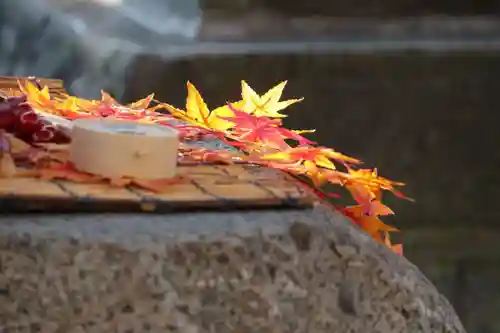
x=252 y=125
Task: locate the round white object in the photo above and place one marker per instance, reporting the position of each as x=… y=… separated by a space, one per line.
x=115 y=148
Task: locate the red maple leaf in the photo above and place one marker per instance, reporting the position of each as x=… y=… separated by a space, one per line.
x=261 y=129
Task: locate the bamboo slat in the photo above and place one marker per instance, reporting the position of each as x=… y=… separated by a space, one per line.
x=10 y=84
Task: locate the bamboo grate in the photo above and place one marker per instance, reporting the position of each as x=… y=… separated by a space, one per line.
x=219 y=187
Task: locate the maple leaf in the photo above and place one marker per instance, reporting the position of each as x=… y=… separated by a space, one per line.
x=369 y=223
x=65 y=171
x=35 y=96
x=308 y=168
x=372 y=182
x=321 y=156
x=38 y=98
x=142 y=104
x=366 y=213
x=267 y=105
x=397 y=248
x=314 y=173
x=377 y=209
x=108 y=106
x=261 y=129
x=197 y=112
x=70 y=108
x=364 y=195
x=373 y=226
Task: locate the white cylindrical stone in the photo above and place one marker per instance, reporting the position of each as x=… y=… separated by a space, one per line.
x=115 y=148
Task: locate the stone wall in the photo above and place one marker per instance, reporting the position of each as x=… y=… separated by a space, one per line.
x=362 y=8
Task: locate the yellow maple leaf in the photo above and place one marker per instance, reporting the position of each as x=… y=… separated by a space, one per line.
x=370 y=181
x=72 y=105
x=197 y=112
x=319 y=155
x=39 y=98
x=269 y=104
x=314 y=173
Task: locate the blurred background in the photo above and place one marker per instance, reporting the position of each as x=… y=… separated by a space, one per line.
x=409 y=86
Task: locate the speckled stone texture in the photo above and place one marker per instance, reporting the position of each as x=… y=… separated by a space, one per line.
x=269 y=272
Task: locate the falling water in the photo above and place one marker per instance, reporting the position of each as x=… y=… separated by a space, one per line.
x=89 y=43
x=137 y=21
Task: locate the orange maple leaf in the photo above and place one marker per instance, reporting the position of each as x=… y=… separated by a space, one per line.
x=373 y=182
x=142 y=104
x=65 y=171
x=366 y=213
x=369 y=223
x=108 y=106
x=397 y=248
